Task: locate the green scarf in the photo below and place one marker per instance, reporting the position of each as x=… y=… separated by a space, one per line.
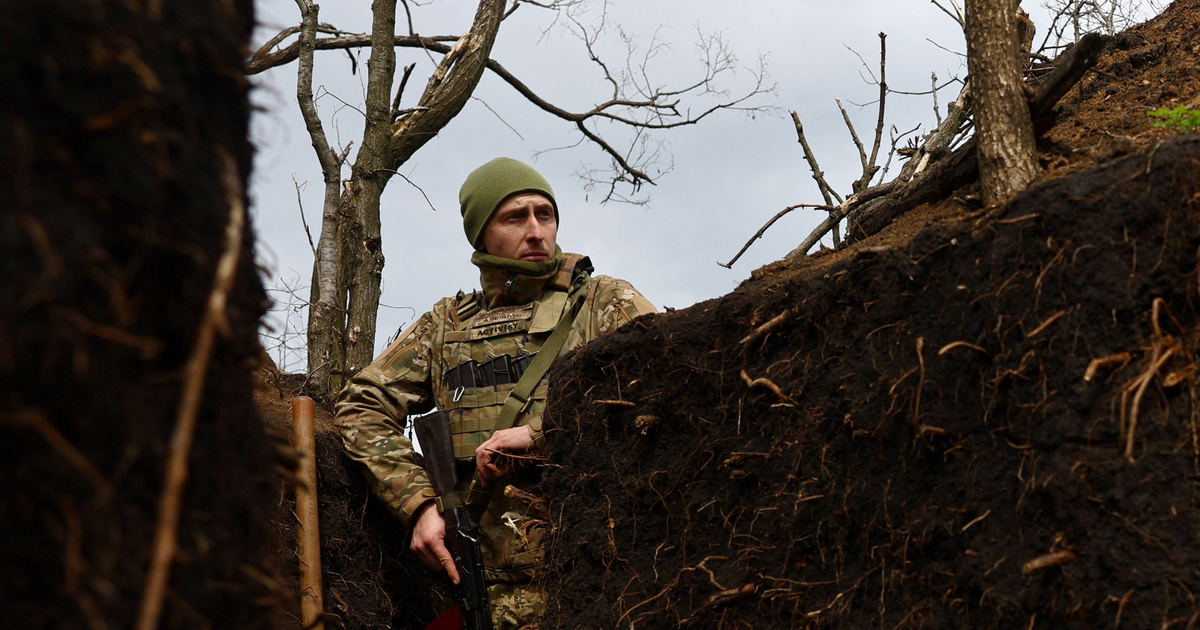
x=510 y=282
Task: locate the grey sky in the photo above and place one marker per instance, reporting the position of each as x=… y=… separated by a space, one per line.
x=730 y=174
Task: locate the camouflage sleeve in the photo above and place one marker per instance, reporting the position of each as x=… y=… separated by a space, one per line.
x=611 y=303
x=372 y=410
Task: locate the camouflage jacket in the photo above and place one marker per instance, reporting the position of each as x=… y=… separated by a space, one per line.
x=409 y=378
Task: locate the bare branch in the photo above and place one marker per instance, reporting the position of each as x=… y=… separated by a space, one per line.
x=264 y=50
x=498 y=116
x=936 y=112
x=895 y=140
x=275 y=41
x=345 y=153
x=260 y=63
x=304 y=92
x=957 y=15
x=840 y=213
x=862 y=152
x=827 y=191
x=879 y=126
x=921 y=93
x=659 y=107
x=400 y=90
x=768 y=224
x=952 y=52
x=303 y=220
x=408 y=14
x=410 y=183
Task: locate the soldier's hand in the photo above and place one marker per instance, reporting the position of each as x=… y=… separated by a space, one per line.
x=516 y=440
x=428 y=542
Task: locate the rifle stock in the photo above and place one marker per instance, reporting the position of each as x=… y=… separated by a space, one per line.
x=433 y=433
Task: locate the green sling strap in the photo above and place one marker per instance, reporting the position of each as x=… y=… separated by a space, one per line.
x=478 y=496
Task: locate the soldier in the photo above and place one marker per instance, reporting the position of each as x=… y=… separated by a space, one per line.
x=465 y=356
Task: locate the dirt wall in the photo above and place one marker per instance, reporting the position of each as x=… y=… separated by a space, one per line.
x=118 y=123
x=915 y=445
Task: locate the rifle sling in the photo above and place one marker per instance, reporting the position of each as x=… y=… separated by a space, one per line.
x=449 y=502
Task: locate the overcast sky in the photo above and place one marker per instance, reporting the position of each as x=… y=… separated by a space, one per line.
x=729 y=174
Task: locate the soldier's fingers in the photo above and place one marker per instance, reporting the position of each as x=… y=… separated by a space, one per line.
x=447 y=563
x=485 y=476
x=427 y=557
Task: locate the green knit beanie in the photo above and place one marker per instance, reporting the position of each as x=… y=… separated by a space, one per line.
x=489 y=185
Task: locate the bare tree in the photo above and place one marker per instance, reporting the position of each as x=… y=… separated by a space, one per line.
x=1075 y=18
x=999 y=39
x=325 y=268
x=919 y=153
x=349 y=259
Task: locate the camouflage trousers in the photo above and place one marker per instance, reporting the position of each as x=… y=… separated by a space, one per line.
x=516 y=605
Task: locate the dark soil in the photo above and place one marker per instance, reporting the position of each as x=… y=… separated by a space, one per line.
x=933 y=455
x=370 y=579
x=113 y=128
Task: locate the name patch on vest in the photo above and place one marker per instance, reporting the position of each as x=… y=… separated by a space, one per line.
x=503 y=328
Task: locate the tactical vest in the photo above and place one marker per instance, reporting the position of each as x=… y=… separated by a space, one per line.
x=484 y=354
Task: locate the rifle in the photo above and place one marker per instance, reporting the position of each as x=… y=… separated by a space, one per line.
x=433 y=432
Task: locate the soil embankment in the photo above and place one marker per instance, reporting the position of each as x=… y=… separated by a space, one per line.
x=919 y=442
x=123 y=157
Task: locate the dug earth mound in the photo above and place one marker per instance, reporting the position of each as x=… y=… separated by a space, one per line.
x=980 y=419
x=993 y=425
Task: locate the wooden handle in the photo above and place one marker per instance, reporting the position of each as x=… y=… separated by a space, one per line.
x=308 y=536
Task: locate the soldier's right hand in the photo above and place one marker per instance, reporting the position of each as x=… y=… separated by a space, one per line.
x=428 y=542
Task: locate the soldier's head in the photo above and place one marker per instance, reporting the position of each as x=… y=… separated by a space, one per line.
x=508 y=210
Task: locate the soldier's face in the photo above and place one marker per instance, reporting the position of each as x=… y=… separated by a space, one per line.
x=523 y=228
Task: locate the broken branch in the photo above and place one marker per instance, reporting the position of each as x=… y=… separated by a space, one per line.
x=841 y=212
x=763 y=229
x=827 y=191
x=535 y=504
x=961 y=166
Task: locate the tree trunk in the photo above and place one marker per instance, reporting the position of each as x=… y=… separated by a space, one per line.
x=1006 y=146
x=385 y=147
x=324 y=285
x=359 y=241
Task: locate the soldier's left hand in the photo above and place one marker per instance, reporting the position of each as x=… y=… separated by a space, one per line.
x=514 y=441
